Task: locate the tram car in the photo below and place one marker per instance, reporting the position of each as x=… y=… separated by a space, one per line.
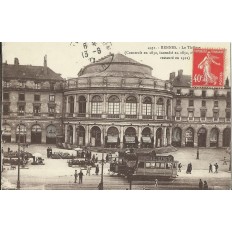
x=144 y=165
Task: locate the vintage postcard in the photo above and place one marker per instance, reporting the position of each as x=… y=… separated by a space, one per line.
x=116 y=116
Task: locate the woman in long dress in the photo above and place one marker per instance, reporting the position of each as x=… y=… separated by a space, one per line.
x=205 y=64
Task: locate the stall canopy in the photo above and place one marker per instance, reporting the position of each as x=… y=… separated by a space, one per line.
x=146 y=139
x=112 y=139
x=130 y=139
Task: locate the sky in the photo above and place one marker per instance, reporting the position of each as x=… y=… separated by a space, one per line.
x=67 y=58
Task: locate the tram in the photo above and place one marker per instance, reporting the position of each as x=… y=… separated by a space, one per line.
x=144 y=165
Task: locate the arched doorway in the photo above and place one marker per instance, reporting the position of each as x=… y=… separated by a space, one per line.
x=226 y=137
x=22 y=134
x=82 y=106
x=51 y=135
x=95 y=136
x=158 y=142
x=70 y=134
x=130 y=139
x=189 y=137
x=176 y=137
x=36 y=134
x=214 y=134
x=202 y=135
x=147 y=138
x=112 y=138
x=168 y=137
x=80 y=136
x=6 y=133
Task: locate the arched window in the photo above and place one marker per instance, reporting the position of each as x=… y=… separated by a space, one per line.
x=160 y=108
x=21 y=133
x=82 y=106
x=71 y=104
x=114 y=105
x=147 y=106
x=96 y=105
x=131 y=106
x=168 y=108
x=36 y=134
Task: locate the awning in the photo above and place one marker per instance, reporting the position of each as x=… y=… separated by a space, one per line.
x=130 y=139
x=112 y=139
x=146 y=139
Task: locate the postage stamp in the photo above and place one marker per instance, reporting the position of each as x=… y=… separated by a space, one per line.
x=208 y=68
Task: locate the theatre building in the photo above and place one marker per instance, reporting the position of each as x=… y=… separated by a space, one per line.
x=116 y=102
x=32 y=103
x=202 y=116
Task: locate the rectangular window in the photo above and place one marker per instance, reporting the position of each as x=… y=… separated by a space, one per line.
x=6 y=109
x=160 y=110
x=203 y=93
x=36 y=97
x=22 y=84
x=21 y=97
x=131 y=108
x=36 y=110
x=191 y=102
x=21 y=110
x=146 y=109
x=51 y=111
x=215 y=103
x=52 y=86
x=113 y=108
x=96 y=108
x=6 y=84
x=228 y=104
x=52 y=98
x=6 y=96
x=178 y=91
x=190 y=115
x=178 y=102
x=37 y=85
x=178 y=114
x=215 y=116
x=191 y=92
x=228 y=115
x=203 y=103
x=203 y=113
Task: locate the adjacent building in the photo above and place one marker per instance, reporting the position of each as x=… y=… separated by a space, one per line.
x=115 y=102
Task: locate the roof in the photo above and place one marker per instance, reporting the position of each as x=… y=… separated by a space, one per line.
x=116 y=58
x=11 y=71
x=182 y=81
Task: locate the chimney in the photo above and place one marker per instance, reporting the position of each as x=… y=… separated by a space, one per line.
x=16 y=61
x=172 y=76
x=45 y=66
x=180 y=73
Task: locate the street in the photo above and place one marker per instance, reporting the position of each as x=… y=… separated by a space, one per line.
x=56 y=174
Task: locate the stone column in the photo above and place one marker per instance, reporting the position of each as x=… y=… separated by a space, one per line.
x=87 y=135
x=171 y=113
x=67 y=108
x=74 y=134
x=76 y=105
x=139 y=135
x=121 y=136
x=88 y=106
x=154 y=109
x=195 y=138
x=208 y=138
x=154 y=134
x=66 y=133
x=139 y=109
x=13 y=134
x=165 y=109
x=104 y=106
x=164 y=134
x=220 y=138
x=102 y=136
x=44 y=134
x=122 y=106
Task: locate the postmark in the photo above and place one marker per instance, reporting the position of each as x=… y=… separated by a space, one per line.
x=208 y=68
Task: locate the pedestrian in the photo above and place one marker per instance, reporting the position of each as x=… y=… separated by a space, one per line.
x=205 y=185
x=224 y=161
x=190 y=168
x=75 y=176
x=216 y=168
x=100 y=186
x=200 y=184
x=107 y=158
x=93 y=158
x=179 y=167
x=88 y=170
x=80 y=176
x=97 y=169
x=8 y=150
x=96 y=160
x=156 y=182
x=210 y=168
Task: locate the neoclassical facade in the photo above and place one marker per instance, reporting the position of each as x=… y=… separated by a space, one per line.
x=115 y=103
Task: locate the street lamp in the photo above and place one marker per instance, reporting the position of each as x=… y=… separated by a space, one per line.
x=198 y=135
x=18 y=181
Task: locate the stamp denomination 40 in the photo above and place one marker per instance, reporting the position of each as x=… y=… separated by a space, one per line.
x=208 y=68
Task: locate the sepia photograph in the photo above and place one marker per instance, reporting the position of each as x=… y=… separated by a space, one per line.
x=116 y=116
